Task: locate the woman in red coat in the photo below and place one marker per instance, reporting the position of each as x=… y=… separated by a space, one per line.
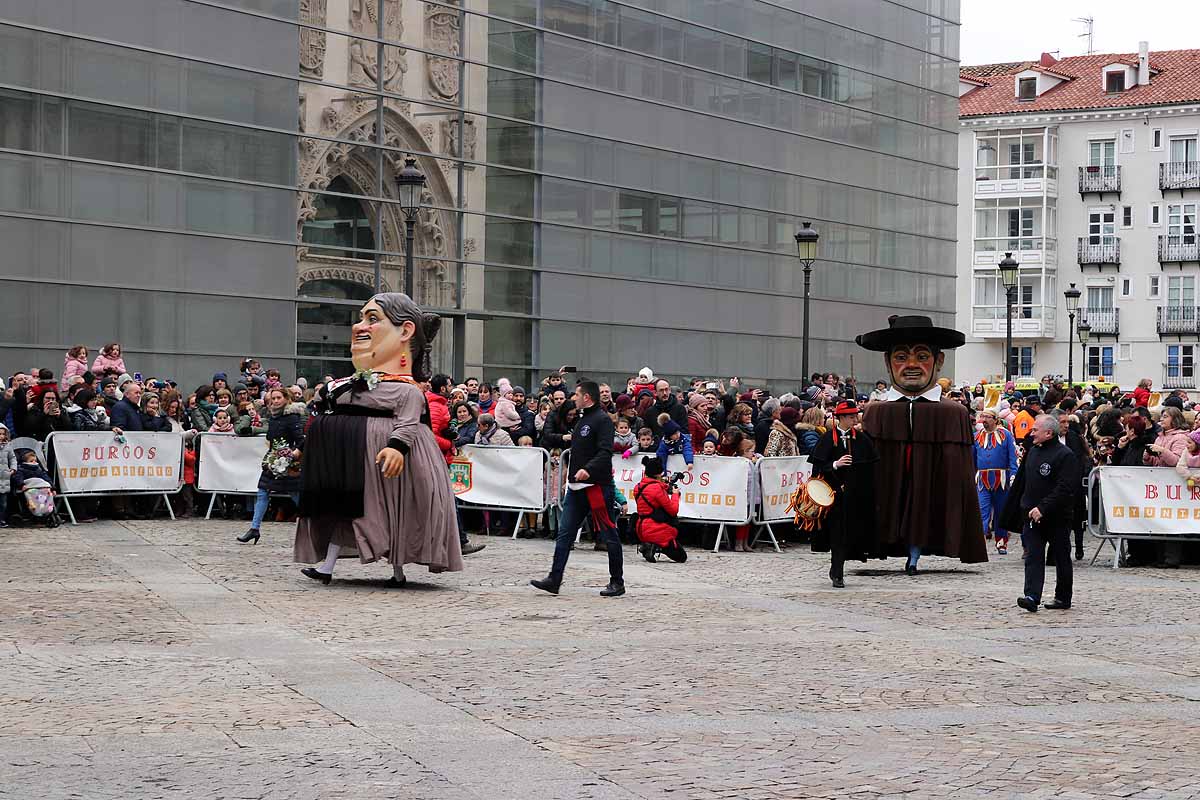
x=657 y=508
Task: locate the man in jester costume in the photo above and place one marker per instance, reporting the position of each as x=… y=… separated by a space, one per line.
x=995 y=468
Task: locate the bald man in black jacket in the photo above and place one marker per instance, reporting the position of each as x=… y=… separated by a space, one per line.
x=1041 y=505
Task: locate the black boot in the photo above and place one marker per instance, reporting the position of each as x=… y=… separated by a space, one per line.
x=614 y=589
x=546 y=585
x=250 y=536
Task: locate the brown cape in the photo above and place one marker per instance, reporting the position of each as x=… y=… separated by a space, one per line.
x=931 y=502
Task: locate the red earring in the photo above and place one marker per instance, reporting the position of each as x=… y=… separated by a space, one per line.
x=403 y=360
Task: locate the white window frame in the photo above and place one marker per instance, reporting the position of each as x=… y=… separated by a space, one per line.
x=1153 y=287
x=1125 y=290
x=1185 y=361
x=1185 y=287
x=1154 y=218
x=1104 y=234
x=1157 y=135
x=1087 y=360
x=1124 y=351
x=1102 y=139
x=1032 y=359
x=1123 y=215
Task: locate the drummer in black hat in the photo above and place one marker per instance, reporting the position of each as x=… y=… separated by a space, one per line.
x=845 y=458
x=925 y=478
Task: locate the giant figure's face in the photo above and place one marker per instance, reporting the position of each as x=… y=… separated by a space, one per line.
x=914 y=367
x=377 y=344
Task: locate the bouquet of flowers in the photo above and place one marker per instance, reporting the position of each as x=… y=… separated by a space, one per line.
x=368 y=378
x=282 y=460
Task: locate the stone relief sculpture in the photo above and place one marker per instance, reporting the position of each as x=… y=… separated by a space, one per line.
x=450 y=142
x=442 y=30
x=364 y=19
x=312 y=43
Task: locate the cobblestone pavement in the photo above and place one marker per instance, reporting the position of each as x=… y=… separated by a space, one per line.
x=164 y=660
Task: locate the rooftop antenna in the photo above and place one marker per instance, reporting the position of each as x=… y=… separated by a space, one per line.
x=1090 y=22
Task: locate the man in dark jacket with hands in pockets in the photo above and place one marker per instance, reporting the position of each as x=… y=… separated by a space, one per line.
x=1040 y=505
x=589 y=490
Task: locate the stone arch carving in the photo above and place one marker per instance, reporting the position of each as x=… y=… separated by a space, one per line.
x=348 y=274
x=321 y=162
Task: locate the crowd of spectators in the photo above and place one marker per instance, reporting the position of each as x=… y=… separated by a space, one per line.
x=651 y=414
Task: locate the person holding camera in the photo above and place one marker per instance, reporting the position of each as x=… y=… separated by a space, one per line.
x=657 y=510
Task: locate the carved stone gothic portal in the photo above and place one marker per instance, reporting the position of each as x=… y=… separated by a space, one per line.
x=364 y=19
x=321 y=162
x=442 y=30
x=312 y=43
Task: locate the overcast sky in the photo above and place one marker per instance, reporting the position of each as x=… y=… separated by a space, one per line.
x=1021 y=30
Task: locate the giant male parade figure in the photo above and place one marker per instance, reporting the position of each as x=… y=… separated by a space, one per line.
x=925 y=499
x=374 y=480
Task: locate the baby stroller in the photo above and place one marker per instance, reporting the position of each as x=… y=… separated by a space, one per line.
x=31 y=499
x=35 y=503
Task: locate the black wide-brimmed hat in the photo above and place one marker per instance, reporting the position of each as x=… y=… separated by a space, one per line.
x=911 y=330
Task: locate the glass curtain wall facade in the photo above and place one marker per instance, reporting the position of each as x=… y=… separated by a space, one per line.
x=147 y=185
x=612 y=184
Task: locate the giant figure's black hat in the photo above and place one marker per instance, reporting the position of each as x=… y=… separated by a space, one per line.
x=911 y=330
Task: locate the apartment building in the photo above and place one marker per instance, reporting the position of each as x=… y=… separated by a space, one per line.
x=1086 y=170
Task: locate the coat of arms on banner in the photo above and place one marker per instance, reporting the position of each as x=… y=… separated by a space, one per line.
x=460 y=476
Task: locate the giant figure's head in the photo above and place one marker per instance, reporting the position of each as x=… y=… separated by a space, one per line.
x=393 y=335
x=913 y=349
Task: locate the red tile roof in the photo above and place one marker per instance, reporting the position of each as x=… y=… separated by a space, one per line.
x=1175 y=78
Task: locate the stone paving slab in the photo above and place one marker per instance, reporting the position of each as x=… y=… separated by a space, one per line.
x=152 y=659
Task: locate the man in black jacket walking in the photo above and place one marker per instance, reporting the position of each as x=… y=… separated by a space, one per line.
x=1041 y=505
x=589 y=490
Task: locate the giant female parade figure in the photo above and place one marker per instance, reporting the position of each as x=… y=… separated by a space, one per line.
x=374 y=479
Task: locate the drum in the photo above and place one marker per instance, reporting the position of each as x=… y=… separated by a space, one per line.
x=811 y=502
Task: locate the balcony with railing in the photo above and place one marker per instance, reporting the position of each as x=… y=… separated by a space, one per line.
x=1098 y=251
x=1104 y=321
x=1179 y=376
x=1178 y=249
x=1178 y=175
x=1016 y=181
x=1177 y=320
x=1100 y=180
x=1028 y=321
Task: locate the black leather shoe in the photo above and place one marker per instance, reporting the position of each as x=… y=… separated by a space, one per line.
x=1079 y=554
x=1028 y=604
x=392 y=583
x=838 y=583
x=647 y=551
x=546 y=585
x=249 y=536
x=613 y=589
x=1058 y=605
x=311 y=572
x=910 y=569
x=469 y=548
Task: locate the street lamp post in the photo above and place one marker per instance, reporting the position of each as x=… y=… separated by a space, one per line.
x=806 y=249
x=409 y=183
x=1084 y=332
x=1072 y=297
x=1009 y=270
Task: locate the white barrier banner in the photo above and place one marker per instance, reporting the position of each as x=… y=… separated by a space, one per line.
x=230 y=463
x=780 y=478
x=98 y=462
x=627 y=474
x=716 y=490
x=1148 y=500
x=500 y=477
